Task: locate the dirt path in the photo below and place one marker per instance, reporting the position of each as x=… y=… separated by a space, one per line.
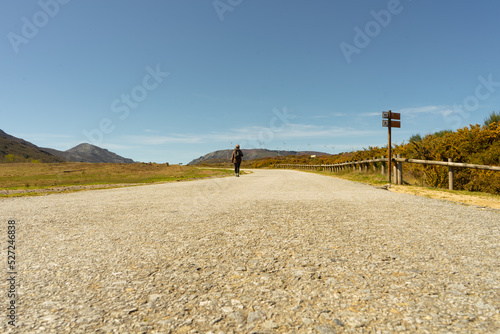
x=275 y=251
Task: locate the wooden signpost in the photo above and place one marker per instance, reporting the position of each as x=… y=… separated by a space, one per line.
x=390 y=120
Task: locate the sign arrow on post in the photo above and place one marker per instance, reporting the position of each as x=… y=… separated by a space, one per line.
x=394 y=124
x=393 y=115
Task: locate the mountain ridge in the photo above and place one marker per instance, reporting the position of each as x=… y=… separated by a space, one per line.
x=86 y=152
x=222 y=156
x=14 y=149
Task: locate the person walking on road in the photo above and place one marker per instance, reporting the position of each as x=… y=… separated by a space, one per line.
x=236 y=160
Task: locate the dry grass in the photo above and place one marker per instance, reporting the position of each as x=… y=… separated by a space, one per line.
x=458 y=196
x=29 y=176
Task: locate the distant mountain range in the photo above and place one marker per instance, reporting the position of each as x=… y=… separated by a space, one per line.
x=222 y=156
x=88 y=153
x=13 y=149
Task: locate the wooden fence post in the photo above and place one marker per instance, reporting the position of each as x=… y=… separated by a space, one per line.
x=382 y=167
x=399 y=170
x=394 y=171
x=451 y=175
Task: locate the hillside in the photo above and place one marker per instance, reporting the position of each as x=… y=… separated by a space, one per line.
x=13 y=149
x=224 y=156
x=89 y=153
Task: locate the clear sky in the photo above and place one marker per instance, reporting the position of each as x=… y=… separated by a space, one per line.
x=169 y=81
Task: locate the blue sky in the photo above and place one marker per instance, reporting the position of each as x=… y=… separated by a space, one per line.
x=169 y=81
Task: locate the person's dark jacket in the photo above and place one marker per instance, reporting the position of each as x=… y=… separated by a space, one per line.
x=235 y=158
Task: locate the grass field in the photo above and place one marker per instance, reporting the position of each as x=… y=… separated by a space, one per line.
x=29 y=176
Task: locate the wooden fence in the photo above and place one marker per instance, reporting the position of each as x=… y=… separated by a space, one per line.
x=397 y=175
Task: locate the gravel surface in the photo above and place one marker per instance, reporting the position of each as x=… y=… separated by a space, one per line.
x=275 y=251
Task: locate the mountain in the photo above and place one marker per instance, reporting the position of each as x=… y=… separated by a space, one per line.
x=248 y=154
x=13 y=149
x=89 y=153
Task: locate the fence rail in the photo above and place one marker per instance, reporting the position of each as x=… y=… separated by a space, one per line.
x=364 y=165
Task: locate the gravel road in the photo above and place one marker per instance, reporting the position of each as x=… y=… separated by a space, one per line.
x=275 y=251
